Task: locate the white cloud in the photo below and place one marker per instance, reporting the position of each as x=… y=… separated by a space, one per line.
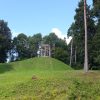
x=61 y=35
x=68 y=39
x=14 y=34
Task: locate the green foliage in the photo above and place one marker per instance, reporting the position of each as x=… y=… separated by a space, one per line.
x=61 y=54
x=58 y=47
x=96 y=48
x=77 y=32
x=22 y=46
x=27 y=46
x=96 y=39
x=96 y=9
x=50 y=39
x=34 y=42
x=5 y=40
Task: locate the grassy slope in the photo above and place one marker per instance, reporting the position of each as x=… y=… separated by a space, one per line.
x=46 y=79
x=40 y=64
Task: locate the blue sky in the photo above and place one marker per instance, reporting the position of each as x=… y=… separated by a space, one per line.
x=34 y=16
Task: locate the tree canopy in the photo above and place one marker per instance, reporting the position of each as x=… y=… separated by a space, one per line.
x=5 y=40
x=76 y=30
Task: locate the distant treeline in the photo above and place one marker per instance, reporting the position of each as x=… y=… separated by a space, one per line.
x=24 y=47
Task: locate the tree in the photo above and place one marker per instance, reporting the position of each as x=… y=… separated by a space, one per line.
x=77 y=30
x=5 y=40
x=22 y=46
x=50 y=39
x=58 y=47
x=71 y=52
x=96 y=50
x=72 y=45
x=26 y=46
x=96 y=9
x=86 y=48
x=34 y=42
x=61 y=54
x=96 y=39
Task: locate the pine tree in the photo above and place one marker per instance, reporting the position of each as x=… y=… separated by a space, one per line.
x=77 y=29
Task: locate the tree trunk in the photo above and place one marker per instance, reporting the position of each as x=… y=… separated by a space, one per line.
x=86 y=51
x=71 y=53
x=75 y=54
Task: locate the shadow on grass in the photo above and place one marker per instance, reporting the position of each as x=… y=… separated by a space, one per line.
x=5 y=67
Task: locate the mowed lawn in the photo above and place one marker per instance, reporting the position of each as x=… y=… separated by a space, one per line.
x=47 y=79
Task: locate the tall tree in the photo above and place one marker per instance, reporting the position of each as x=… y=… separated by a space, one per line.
x=71 y=52
x=77 y=29
x=96 y=39
x=5 y=40
x=86 y=48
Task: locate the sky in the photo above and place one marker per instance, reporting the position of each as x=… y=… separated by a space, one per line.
x=39 y=16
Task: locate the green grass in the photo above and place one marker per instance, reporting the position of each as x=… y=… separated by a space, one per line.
x=47 y=79
x=39 y=64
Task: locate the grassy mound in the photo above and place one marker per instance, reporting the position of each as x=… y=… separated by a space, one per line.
x=47 y=79
x=39 y=64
